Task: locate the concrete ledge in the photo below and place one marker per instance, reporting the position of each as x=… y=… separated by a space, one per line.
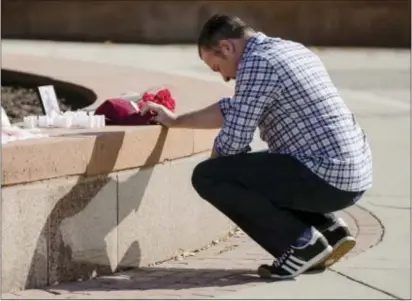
x=84 y=203
x=89 y=153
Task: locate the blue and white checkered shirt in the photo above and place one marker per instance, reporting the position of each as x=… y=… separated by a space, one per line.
x=284 y=89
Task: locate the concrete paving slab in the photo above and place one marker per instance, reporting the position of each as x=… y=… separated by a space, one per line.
x=386 y=266
x=328 y=285
x=387 y=124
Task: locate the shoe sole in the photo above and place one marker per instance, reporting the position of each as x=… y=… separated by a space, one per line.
x=343 y=247
x=266 y=273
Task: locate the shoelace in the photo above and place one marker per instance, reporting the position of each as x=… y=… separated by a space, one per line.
x=280 y=260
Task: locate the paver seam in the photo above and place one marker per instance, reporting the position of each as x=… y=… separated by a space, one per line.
x=366 y=284
x=378 y=223
x=370 y=229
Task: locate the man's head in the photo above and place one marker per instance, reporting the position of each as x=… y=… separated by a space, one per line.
x=221 y=43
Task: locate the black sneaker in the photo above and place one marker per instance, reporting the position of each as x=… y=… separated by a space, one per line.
x=299 y=257
x=339 y=237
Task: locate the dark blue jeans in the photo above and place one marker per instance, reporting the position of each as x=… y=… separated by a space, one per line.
x=272 y=198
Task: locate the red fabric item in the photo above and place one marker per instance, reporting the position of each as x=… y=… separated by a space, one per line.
x=118 y=111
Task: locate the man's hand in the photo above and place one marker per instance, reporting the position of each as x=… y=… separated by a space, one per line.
x=164 y=116
x=207 y=118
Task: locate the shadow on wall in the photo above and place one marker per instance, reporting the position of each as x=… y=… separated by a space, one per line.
x=80 y=219
x=77 y=96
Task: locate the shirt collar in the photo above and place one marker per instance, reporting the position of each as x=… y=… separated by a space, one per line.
x=250 y=46
x=252 y=42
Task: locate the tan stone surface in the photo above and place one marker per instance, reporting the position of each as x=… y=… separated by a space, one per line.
x=82 y=231
x=204 y=139
x=97 y=152
x=59 y=230
x=160 y=213
x=197 y=218
x=144 y=216
x=24 y=236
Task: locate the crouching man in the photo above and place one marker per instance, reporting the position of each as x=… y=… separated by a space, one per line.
x=318 y=159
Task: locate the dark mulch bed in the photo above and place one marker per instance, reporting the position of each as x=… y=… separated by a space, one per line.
x=19 y=102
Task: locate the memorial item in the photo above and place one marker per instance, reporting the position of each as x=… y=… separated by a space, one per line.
x=11 y=133
x=125 y=109
x=69 y=119
x=48 y=100
x=5 y=121
x=54 y=117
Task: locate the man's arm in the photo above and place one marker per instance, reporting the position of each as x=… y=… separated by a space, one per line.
x=210 y=117
x=253 y=94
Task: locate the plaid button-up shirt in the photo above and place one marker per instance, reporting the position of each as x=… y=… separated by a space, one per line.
x=283 y=89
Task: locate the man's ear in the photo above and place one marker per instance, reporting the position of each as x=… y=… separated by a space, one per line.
x=227 y=46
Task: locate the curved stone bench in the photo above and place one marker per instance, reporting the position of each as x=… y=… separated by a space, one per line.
x=89 y=202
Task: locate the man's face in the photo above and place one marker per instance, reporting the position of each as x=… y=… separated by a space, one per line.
x=222 y=59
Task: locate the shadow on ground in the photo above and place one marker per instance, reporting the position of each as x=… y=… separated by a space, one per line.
x=163 y=278
x=149 y=278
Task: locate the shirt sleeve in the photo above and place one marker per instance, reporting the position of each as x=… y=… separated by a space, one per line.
x=254 y=87
x=224 y=104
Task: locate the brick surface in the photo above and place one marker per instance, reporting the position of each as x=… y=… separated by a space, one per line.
x=227 y=266
x=9 y=296
x=29 y=294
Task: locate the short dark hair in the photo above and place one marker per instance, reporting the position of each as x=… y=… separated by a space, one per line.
x=220 y=27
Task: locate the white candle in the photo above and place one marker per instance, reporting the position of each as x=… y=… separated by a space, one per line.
x=44 y=121
x=29 y=122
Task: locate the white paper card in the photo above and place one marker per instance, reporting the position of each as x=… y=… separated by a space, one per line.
x=49 y=100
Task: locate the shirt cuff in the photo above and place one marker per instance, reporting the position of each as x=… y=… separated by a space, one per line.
x=220 y=154
x=220 y=151
x=224 y=104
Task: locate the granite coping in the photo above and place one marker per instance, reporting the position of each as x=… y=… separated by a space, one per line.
x=114 y=148
x=98 y=152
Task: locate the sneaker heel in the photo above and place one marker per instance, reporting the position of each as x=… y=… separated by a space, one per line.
x=264 y=272
x=344 y=248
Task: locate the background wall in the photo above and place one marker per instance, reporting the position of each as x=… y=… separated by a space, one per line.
x=318 y=22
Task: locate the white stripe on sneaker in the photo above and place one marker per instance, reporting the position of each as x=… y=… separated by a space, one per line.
x=288 y=269
x=293 y=265
x=297 y=260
